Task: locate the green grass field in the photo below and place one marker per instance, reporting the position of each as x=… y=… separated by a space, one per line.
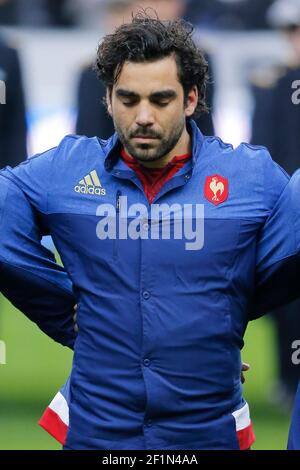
x=37 y=367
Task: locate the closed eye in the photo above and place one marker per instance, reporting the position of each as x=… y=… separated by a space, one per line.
x=129 y=103
x=161 y=103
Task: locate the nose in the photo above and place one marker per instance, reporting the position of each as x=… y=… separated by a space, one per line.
x=144 y=116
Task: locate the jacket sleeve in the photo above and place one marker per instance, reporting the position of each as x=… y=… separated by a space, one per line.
x=278 y=253
x=29 y=276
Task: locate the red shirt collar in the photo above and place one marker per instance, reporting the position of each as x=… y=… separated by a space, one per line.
x=177 y=159
x=153 y=179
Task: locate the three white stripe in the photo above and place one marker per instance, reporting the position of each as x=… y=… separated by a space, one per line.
x=91 y=179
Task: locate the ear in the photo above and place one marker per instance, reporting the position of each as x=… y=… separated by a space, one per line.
x=108 y=101
x=192 y=101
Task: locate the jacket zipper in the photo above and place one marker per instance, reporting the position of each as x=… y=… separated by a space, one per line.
x=116 y=242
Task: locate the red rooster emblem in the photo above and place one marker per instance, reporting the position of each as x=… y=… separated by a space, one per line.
x=216 y=189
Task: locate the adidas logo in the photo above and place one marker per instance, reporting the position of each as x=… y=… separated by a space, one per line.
x=90 y=184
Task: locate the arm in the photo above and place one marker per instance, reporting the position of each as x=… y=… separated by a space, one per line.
x=29 y=275
x=278 y=253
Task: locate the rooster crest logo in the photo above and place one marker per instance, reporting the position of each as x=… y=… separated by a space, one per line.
x=216 y=189
x=216 y=186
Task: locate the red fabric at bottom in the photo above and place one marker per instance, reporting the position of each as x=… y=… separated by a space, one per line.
x=246 y=437
x=52 y=423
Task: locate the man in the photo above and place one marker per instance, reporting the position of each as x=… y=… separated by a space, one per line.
x=163 y=292
x=12 y=109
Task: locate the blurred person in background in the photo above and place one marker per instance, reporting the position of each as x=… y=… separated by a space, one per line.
x=12 y=112
x=36 y=13
x=110 y=13
x=229 y=14
x=92 y=117
x=276 y=125
x=95 y=14
x=8 y=12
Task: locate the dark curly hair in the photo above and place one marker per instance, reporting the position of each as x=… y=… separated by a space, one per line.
x=147 y=38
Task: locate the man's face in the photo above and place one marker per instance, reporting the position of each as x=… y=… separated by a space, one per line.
x=148 y=109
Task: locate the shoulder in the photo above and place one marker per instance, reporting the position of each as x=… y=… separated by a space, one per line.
x=72 y=147
x=245 y=155
x=39 y=174
x=245 y=152
x=250 y=168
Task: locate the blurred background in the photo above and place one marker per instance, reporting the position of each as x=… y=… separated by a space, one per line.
x=47 y=48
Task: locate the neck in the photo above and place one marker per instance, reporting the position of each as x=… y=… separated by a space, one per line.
x=182 y=147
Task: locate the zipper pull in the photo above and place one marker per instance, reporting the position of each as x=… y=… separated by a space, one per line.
x=118 y=202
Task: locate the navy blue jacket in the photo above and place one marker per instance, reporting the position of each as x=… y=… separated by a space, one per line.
x=282 y=233
x=157 y=359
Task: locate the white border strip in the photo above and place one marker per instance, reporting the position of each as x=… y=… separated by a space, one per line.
x=60 y=406
x=242 y=417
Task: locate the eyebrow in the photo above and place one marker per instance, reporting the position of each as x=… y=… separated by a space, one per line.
x=126 y=93
x=164 y=94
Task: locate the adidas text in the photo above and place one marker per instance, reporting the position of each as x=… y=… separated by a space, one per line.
x=90 y=190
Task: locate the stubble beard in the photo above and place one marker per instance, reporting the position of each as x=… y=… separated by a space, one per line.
x=148 y=152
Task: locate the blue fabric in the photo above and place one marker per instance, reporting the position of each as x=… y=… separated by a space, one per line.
x=157 y=359
x=278 y=266
x=294 y=434
x=29 y=275
x=278 y=258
